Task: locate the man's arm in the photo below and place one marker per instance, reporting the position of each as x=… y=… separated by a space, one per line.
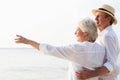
x=86 y=73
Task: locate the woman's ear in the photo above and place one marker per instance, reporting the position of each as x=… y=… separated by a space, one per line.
x=86 y=33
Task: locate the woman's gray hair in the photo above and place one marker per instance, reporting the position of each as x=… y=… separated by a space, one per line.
x=88 y=25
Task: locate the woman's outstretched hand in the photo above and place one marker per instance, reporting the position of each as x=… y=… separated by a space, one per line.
x=21 y=39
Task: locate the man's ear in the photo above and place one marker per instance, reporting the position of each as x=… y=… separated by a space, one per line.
x=109 y=18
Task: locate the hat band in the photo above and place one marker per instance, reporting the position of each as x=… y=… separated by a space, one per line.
x=106 y=10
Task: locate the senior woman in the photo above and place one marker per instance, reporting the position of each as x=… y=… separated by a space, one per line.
x=85 y=52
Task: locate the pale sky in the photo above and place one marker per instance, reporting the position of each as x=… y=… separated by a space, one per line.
x=50 y=21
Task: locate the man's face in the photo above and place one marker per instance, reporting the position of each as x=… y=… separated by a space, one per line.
x=100 y=19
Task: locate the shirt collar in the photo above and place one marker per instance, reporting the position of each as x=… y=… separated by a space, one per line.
x=107 y=28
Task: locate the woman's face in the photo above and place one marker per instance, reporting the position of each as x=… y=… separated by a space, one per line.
x=81 y=36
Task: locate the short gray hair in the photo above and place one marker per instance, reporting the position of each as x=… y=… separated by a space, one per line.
x=88 y=25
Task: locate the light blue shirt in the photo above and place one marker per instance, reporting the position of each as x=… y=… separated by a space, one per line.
x=109 y=39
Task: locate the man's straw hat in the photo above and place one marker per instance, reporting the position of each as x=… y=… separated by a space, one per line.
x=106 y=9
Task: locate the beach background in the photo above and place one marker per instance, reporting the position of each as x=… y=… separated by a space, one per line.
x=49 y=21
x=29 y=64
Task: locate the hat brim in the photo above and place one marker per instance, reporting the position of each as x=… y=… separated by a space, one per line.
x=94 y=13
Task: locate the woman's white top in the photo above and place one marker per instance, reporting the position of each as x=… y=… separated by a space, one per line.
x=89 y=55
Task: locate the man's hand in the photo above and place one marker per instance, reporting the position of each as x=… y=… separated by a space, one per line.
x=85 y=74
